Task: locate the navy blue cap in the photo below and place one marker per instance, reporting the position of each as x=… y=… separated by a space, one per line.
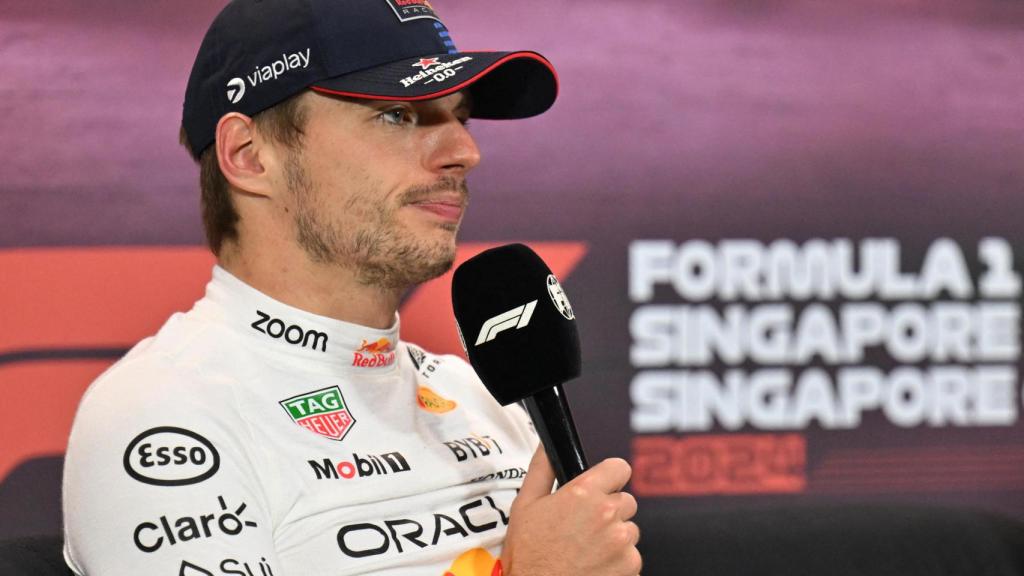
x=258 y=53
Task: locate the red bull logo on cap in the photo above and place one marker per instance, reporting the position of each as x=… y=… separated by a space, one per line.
x=407 y=10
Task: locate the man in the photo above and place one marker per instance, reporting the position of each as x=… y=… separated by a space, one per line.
x=280 y=427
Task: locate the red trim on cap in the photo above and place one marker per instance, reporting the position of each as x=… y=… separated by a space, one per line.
x=447 y=91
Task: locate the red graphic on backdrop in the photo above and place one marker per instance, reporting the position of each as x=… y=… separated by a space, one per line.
x=719 y=464
x=79 y=308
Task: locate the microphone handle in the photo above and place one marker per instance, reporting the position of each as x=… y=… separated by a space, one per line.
x=549 y=411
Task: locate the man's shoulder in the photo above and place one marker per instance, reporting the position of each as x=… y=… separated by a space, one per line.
x=184 y=360
x=450 y=369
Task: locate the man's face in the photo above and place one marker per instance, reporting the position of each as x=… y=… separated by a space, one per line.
x=379 y=187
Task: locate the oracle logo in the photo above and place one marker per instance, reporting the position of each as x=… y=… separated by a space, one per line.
x=169 y=456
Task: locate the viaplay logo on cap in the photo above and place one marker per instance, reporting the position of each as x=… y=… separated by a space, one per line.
x=236 y=90
x=298 y=60
x=407 y=10
x=322 y=412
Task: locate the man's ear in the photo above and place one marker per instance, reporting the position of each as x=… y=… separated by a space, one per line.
x=240 y=155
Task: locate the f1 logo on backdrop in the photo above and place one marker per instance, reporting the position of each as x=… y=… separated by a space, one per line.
x=99 y=302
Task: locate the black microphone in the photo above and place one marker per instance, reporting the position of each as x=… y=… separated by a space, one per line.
x=520 y=334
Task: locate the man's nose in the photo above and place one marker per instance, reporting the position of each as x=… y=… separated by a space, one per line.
x=455 y=149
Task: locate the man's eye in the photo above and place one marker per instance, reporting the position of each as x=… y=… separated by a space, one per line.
x=397 y=116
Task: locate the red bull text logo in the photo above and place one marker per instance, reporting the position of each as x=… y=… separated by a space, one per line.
x=374 y=354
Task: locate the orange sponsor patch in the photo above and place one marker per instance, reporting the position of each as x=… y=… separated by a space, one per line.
x=475 y=562
x=433 y=402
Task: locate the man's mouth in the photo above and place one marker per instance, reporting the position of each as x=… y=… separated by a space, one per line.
x=448 y=209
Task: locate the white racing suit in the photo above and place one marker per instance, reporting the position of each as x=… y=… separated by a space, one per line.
x=252 y=438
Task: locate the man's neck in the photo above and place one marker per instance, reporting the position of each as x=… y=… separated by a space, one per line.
x=324 y=289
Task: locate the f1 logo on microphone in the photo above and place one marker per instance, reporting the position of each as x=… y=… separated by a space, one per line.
x=516 y=318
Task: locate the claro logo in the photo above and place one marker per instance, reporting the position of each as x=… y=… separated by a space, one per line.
x=293 y=334
x=151 y=536
x=169 y=456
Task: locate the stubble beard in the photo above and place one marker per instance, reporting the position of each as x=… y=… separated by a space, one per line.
x=374 y=245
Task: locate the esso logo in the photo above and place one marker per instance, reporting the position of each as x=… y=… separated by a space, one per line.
x=169 y=456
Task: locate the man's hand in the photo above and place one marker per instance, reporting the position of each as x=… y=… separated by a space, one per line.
x=582 y=529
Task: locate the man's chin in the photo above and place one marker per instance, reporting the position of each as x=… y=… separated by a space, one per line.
x=443 y=263
x=429 y=261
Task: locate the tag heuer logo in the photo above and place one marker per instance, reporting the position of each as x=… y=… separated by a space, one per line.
x=323 y=412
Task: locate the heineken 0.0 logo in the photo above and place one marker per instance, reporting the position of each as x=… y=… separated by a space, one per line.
x=322 y=412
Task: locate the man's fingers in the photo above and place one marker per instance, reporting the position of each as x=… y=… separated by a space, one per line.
x=627 y=505
x=608 y=477
x=540 y=478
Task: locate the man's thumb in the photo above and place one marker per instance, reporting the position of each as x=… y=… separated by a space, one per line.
x=540 y=478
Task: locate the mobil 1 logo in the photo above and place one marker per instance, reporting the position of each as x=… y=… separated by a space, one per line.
x=361 y=466
x=170 y=456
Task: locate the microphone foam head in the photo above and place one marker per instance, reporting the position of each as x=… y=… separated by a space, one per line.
x=516 y=323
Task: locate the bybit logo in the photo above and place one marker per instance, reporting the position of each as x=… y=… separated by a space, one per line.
x=236 y=89
x=473 y=447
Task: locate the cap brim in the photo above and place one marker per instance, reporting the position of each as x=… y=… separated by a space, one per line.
x=504 y=85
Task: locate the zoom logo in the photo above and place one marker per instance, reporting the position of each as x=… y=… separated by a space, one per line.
x=293 y=334
x=152 y=536
x=169 y=456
